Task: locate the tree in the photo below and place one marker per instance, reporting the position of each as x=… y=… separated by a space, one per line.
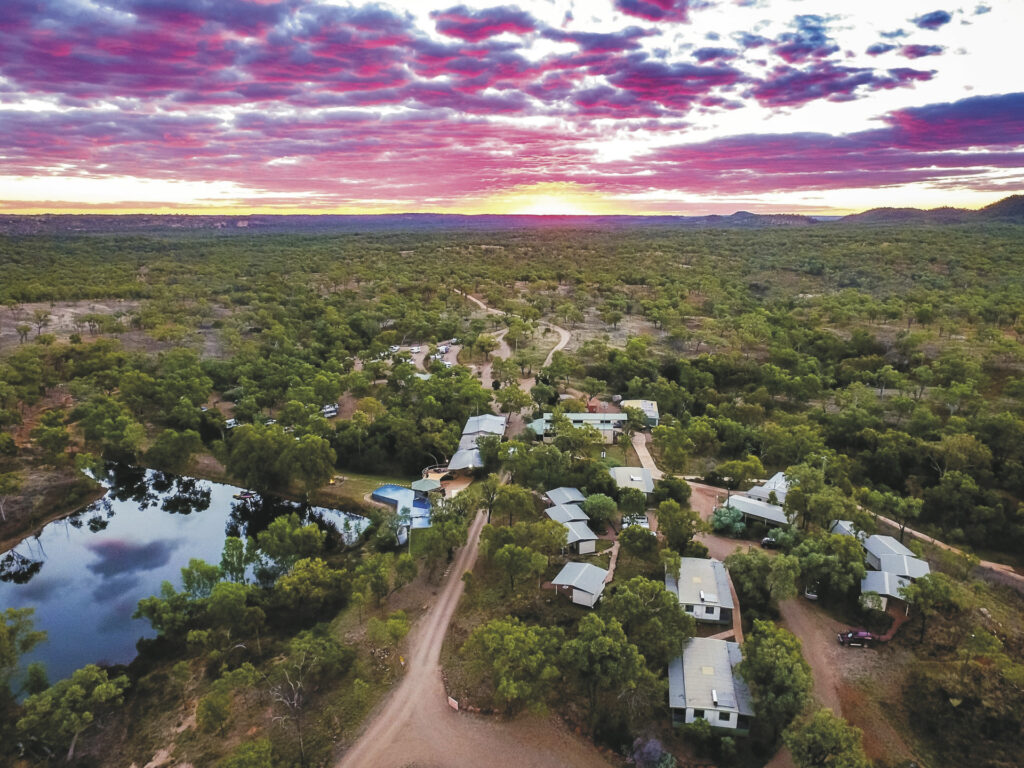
x=826 y=741
x=632 y=501
x=17 y=637
x=519 y=660
x=10 y=485
x=604 y=661
x=51 y=436
x=671 y=438
x=929 y=595
x=638 y=541
x=237 y=556
x=519 y=563
x=679 y=525
x=511 y=500
x=740 y=471
x=41 y=319
x=173 y=450
x=671 y=487
x=761 y=580
x=285 y=541
x=405 y=569
x=199 y=578
x=310 y=460
x=729 y=521
x=779 y=678
x=310 y=586
x=56 y=717
x=651 y=617
x=512 y=399
x=831 y=562
x=601 y=509
x=250 y=754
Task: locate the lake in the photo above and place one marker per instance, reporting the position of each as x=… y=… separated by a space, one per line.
x=85 y=574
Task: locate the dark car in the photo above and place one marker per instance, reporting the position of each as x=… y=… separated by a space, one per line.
x=769 y=542
x=857 y=637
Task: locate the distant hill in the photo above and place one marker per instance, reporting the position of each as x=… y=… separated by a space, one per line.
x=1010 y=209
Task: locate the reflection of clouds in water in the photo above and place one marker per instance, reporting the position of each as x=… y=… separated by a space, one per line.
x=118 y=556
x=36 y=591
x=110 y=589
x=117 y=618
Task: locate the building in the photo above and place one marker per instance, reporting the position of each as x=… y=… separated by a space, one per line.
x=567 y=513
x=760 y=511
x=703 y=684
x=886 y=585
x=703 y=590
x=565 y=495
x=777 y=484
x=581 y=539
x=649 y=407
x=876 y=547
x=901 y=565
x=605 y=423
x=583 y=581
x=633 y=477
x=846 y=528
x=407 y=502
x=467 y=457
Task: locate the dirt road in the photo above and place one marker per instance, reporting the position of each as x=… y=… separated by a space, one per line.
x=640 y=441
x=416 y=727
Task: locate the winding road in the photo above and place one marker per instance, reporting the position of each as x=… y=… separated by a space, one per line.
x=416 y=727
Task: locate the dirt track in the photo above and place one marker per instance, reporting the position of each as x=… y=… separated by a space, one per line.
x=416 y=727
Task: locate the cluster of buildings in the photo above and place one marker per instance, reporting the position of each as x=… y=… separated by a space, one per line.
x=763 y=503
x=583 y=582
x=892 y=566
x=610 y=425
x=467 y=457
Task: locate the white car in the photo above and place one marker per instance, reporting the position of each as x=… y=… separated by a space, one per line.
x=443 y=349
x=447 y=364
x=394 y=348
x=231 y=423
x=414 y=350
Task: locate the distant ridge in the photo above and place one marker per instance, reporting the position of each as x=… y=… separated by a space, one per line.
x=1009 y=209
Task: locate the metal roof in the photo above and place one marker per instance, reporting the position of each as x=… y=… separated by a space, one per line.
x=777 y=483
x=488 y=422
x=649 y=407
x=762 y=510
x=901 y=565
x=884 y=583
x=846 y=528
x=466 y=458
x=583 y=576
x=565 y=495
x=566 y=513
x=701 y=582
x=885 y=545
x=426 y=484
x=705 y=672
x=632 y=477
x=579 y=531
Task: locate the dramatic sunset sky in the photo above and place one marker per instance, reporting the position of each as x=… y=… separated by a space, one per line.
x=546 y=106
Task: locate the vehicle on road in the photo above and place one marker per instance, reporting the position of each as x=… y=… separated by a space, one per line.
x=768 y=542
x=811 y=592
x=854 y=638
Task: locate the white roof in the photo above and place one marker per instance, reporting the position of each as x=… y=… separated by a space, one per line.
x=777 y=483
x=704 y=673
x=649 y=407
x=883 y=582
x=846 y=528
x=582 y=576
x=565 y=495
x=885 y=545
x=633 y=477
x=762 y=510
x=566 y=513
x=701 y=582
x=901 y=565
x=494 y=425
x=579 y=531
x=466 y=459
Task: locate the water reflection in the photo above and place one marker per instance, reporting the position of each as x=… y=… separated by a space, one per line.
x=85 y=574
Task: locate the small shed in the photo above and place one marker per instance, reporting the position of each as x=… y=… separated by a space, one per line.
x=565 y=495
x=581 y=539
x=585 y=582
x=567 y=513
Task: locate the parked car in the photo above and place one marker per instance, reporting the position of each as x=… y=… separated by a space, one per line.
x=414 y=350
x=857 y=638
x=394 y=348
x=231 y=423
x=769 y=542
x=447 y=364
x=811 y=592
x=329 y=411
x=443 y=349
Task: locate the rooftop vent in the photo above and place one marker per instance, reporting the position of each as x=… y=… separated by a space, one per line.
x=714 y=696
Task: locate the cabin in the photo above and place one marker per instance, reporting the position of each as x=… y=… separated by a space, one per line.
x=608 y=424
x=567 y=513
x=876 y=547
x=703 y=685
x=467 y=457
x=777 y=484
x=565 y=495
x=886 y=585
x=582 y=581
x=702 y=587
x=772 y=515
x=649 y=407
x=581 y=539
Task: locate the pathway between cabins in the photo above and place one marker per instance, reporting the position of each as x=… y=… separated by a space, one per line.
x=416 y=727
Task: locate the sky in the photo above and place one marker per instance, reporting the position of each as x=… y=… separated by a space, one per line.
x=542 y=107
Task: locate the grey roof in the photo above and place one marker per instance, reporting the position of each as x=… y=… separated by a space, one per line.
x=466 y=459
x=579 y=531
x=583 y=576
x=488 y=422
x=701 y=582
x=597 y=420
x=885 y=545
x=901 y=565
x=468 y=442
x=883 y=582
x=649 y=407
x=426 y=484
x=566 y=513
x=704 y=672
x=565 y=495
x=633 y=477
x=846 y=528
x=777 y=483
x=759 y=509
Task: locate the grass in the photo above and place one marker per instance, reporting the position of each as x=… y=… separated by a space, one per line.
x=356 y=485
